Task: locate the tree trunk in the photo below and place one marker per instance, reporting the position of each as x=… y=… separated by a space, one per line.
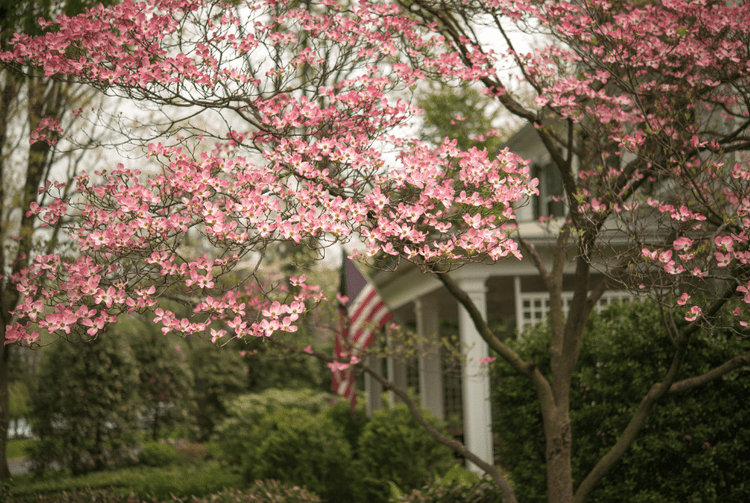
x=7 y=299
x=4 y=405
x=559 y=450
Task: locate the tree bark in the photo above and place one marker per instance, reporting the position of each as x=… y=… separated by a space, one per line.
x=7 y=302
x=45 y=99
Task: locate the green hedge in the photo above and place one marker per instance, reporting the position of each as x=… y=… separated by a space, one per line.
x=458 y=485
x=239 y=433
x=300 y=438
x=695 y=446
x=159 y=454
x=268 y=491
x=144 y=482
x=395 y=448
x=304 y=450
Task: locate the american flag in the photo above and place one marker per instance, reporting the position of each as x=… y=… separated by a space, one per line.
x=363 y=315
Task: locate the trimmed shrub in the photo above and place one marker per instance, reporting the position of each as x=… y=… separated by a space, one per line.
x=695 y=446
x=218 y=376
x=352 y=424
x=303 y=449
x=240 y=433
x=182 y=481
x=158 y=454
x=395 y=448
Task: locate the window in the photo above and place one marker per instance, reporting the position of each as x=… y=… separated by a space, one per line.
x=535 y=305
x=548 y=203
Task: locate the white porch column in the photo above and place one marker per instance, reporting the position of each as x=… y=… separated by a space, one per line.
x=430 y=368
x=519 y=306
x=396 y=373
x=373 y=388
x=475 y=379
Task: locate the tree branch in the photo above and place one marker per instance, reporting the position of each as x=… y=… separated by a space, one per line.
x=536 y=258
x=522 y=367
x=501 y=480
x=725 y=368
x=657 y=391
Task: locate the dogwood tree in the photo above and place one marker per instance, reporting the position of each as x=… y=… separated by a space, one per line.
x=642 y=108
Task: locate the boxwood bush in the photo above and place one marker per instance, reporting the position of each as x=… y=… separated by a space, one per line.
x=395 y=448
x=695 y=446
x=314 y=440
x=240 y=434
x=158 y=454
x=303 y=449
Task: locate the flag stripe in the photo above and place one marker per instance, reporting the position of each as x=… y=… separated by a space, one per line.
x=378 y=317
x=362 y=318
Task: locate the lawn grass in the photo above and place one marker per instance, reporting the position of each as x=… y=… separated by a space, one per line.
x=18 y=448
x=195 y=479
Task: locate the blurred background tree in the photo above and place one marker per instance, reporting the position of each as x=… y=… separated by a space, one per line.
x=462 y=113
x=84 y=405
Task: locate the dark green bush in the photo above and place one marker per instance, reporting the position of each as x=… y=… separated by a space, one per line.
x=158 y=454
x=695 y=445
x=298 y=437
x=240 y=433
x=303 y=449
x=83 y=405
x=165 y=381
x=394 y=447
x=218 y=376
x=351 y=423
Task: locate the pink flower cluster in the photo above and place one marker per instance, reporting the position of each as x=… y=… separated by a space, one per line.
x=302 y=158
x=309 y=169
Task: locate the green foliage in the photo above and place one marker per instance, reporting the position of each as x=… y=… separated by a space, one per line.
x=19 y=400
x=83 y=405
x=477 y=492
x=20 y=407
x=158 y=454
x=157 y=483
x=299 y=438
x=165 y=387
x=272 y=367
x=459 y=475
x=443 y=103
x=266 y=491
x=695 y=444
x=303 y=450
x=19 y=448
x=219 y=376
x=394 y=447
x=350 y=423
x=240 y=433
